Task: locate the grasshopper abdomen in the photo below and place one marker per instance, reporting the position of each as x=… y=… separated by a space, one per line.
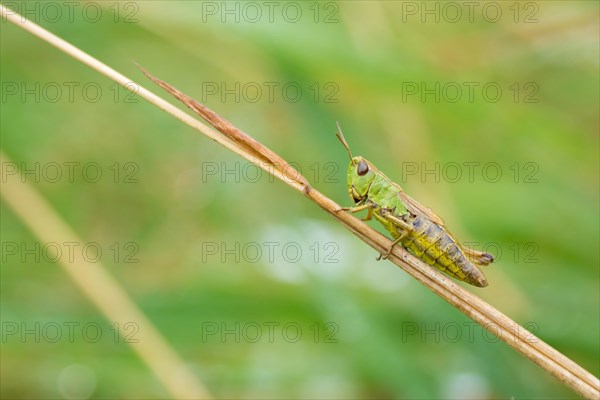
x=438 y=248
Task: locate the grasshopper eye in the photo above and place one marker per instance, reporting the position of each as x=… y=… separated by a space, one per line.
x=362 y=169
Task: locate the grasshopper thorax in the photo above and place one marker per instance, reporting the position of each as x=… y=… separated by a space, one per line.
x=361 y=174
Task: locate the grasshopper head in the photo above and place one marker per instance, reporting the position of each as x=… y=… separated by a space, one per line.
x=361 y=174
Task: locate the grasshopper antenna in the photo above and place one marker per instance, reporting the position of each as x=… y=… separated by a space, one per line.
x=342 y=139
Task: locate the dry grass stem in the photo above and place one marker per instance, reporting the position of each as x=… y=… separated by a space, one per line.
x=101 y=288
x=516 y=336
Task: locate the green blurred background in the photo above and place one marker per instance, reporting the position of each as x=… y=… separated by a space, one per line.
x=367 y=329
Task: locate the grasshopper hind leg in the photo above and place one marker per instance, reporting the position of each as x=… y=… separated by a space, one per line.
x=405 y=228
x=395 y=242
x=478 y=257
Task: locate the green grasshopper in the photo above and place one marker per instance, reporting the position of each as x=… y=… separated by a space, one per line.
x=411 y=224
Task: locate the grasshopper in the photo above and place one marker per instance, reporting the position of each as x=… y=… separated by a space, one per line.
x=411 y=224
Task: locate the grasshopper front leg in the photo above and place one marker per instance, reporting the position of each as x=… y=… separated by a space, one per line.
x=359 y=208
